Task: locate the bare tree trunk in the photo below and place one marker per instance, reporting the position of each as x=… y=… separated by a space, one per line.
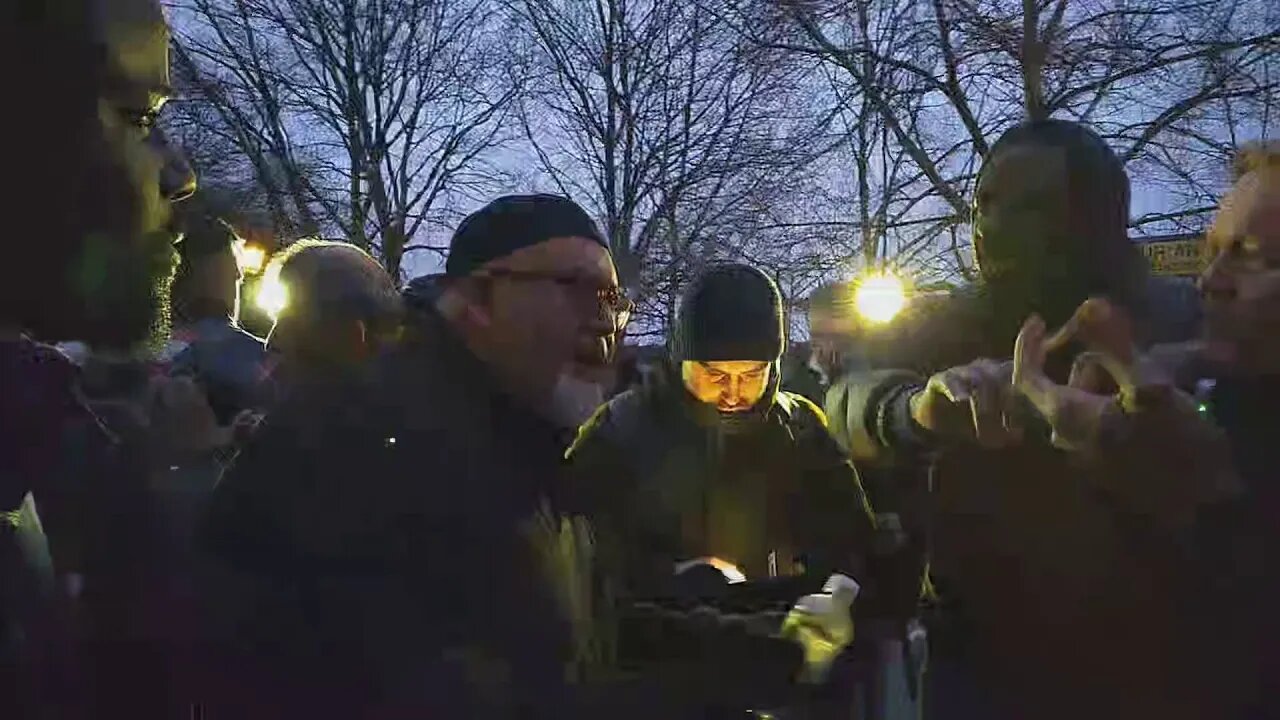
x=1033 y=55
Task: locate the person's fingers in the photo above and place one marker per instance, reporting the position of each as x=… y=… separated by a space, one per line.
x=1068 y=332
x=1101 y=327
x=1014 y=415
x=1122 y=370
x=1103 y=373
x=1110 y=331
x=987 y=403
x=1077 y=418
x=1089 y=374
x=1029 y=351
x=1107 y=332
x=988 y=422
x=953 y=384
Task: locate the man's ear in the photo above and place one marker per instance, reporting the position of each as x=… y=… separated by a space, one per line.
x=468 y=301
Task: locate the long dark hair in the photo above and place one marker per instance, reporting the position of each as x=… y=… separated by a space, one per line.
x=1097 y=181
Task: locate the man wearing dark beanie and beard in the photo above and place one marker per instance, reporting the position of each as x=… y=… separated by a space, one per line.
x=384 y=546
x=714 y=465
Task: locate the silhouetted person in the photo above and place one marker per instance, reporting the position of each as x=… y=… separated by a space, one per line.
x=208 y=343
x=340 y=309
x=1040 y=571
x=91 y=235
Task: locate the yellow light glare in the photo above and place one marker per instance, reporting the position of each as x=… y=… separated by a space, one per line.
x=731 y=573
x=272 y=295
x=879 y=297
x=250 y=257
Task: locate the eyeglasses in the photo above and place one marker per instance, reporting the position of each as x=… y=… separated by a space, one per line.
x=586 y=291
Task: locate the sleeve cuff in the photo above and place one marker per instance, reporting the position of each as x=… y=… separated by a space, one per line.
x=895 y=428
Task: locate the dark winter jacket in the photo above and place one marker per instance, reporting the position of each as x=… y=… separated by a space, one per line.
x=37 y=403
x=79 y=444
x=1072 y=585
x=38 y=400
x=372 y=547
x=228 y=362
x=664 y=481
x=1249 y=412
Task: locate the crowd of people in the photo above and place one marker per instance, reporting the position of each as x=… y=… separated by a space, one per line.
x=441 y=501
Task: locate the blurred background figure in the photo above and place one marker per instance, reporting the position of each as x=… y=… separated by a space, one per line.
x=834 y=333
x=334 y=306
x=1241 y=352
x=208 y=343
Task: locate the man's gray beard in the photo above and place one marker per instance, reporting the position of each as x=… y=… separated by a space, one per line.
x=574 y=400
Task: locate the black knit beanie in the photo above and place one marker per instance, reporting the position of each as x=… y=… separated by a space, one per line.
x=731 y=312
x=513 y=222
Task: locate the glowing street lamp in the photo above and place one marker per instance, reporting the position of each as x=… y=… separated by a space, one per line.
x=879 y=296
x=250 y=257
x=272 y=295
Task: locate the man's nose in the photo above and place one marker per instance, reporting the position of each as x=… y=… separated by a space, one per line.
x=177 y=179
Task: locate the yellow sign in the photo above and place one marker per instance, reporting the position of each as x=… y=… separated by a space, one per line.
x=1177 y=257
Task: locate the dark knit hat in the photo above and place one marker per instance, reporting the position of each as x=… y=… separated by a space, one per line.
x=513 y=222
x=731 y=312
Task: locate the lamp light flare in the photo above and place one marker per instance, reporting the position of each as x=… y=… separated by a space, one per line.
x=879 y=297
x=272 y=295
x=251 y=258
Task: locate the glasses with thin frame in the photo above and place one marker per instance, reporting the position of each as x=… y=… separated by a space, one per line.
x=587 y=292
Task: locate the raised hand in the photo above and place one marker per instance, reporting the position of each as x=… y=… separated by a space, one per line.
x=1112 y=369
x=970 y=402
x=1122 y=409
x=1075 y=414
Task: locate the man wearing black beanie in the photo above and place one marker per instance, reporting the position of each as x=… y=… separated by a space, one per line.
x=414 y=494
x=531 y=290
x=713 y=461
